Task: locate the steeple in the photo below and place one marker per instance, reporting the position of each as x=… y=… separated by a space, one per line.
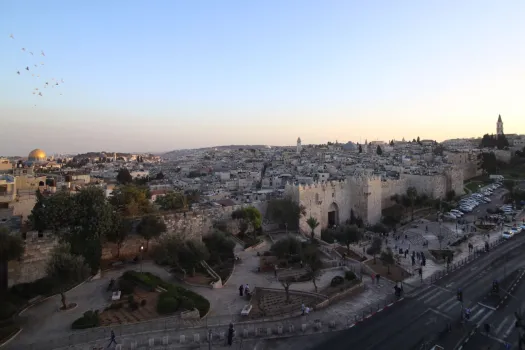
x=499 y=126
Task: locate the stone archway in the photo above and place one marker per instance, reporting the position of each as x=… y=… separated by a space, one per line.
x=333 y=215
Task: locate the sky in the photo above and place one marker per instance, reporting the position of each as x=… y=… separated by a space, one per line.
x=162 y=75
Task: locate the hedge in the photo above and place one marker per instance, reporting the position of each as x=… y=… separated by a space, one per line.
x=90 y=319
x=186 y=299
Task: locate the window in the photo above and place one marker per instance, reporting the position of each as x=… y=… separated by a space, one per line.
x=333 y=194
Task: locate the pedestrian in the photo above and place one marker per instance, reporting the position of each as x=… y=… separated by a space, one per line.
x=303 y=309
x=377 y=278
x=373 y=278
x=247 y=289
x=112 y=340
x=241 y=290
x=231 y=334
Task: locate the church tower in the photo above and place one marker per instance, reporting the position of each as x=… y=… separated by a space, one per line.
x=499 y=126
x=299 y=146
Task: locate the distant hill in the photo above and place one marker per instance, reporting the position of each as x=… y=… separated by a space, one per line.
x=222 y=148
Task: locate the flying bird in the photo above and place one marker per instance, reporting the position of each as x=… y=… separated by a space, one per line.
x=39 y=94
x=12 y=36
x=18 y=72
x=47 y=83
x=56 y=83
x=36 y=65
x=24 y=49
x=31 y=53
x=27 y=68
x=43 y=54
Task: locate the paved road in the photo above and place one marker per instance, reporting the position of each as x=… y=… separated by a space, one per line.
x=502 y=324
x=426 y=312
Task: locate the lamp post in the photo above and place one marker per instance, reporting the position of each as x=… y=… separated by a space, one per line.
x=141 y=255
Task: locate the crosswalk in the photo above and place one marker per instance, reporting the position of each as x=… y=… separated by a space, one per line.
x=444 y=301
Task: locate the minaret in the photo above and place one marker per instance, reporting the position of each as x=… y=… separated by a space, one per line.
x=299 y=146
x=499 y=126
x=114 y=156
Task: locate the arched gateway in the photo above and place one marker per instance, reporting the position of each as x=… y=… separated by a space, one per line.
x=333 y=215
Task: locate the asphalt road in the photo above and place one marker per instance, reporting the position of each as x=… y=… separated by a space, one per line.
x=502 y=323
x=425 y=312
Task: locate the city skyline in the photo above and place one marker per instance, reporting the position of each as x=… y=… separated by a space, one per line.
x=181 y=75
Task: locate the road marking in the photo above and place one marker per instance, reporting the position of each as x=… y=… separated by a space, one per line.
x=486 y=316
x=509 y=330
x=503 y=323
x=450 y=307
x=445 y=303
x=437 y=294
x=487 y=306
x=441 y=314
x=476 y=314
x=426 y=294
x=443 y=289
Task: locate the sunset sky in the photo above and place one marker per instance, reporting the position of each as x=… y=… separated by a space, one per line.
x=163 y=75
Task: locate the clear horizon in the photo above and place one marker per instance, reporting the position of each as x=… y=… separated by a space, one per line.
x=178 y=75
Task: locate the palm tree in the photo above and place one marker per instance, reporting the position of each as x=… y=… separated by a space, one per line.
x=11 y=248
x=313 y=223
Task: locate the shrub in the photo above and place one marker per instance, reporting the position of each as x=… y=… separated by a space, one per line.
x=126 y=287
x=337 y=280
x=116 y=306
x=350 y=276
x=131 y=299
x=7 y=310
x=327 y=236
x=43 y=286
x=186 y=304
x=133 y=305
x=167 y=305
x=90 y=319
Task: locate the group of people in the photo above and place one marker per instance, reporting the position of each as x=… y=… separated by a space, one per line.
x=244 y=289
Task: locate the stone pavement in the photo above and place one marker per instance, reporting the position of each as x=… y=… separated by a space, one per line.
x=43 y=322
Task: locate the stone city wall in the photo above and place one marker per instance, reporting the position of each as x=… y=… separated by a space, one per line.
x=32 y=265
x=503 y=155
x=434 y=186
x=390 y=188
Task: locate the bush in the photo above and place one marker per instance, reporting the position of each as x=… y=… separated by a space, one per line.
x=90 y=319
x=7 y=310
x=350 y=276
x=43 y=286
x=126 y=287
x=116 y=306
x=186 y=304
x=327 y=236
x=150 y=280
x=337 y=280
x=167 y=304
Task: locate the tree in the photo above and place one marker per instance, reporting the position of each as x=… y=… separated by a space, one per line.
x=360 y=149
x=349 y=235
x=313 y=263
x=124 y=176
x=58 y=210
x=388 y=259
x=379 y=151
x=92 y=220
x=248 y=217
x=131 y=200
x=286 y=282
x=487 y=162
x=159 y=176
x=220 y=247
x=151 y=226
x=412 y=196
x=375 y=248
x=286 y=247
x=37 y=218
x=172 y=201
x=312 y=223
x=11 y=248
x=451 y=195
x=285 y=212
x=418 y=140
x=66 y=268
x=122 y=229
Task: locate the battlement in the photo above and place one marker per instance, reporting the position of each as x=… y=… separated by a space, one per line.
x=323 y=185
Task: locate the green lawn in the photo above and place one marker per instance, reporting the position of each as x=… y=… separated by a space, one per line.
x=473 y=186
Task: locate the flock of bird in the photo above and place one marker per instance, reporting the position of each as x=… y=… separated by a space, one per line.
x=34 y=71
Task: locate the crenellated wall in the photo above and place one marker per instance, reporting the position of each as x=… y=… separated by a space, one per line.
x=390 y=188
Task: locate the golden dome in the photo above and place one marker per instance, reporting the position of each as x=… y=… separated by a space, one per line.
x=36 y=155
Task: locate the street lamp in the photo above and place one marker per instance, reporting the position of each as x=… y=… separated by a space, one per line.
x=141 y=255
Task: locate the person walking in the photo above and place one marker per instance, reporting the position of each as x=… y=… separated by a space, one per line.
x=112 y=340
x=231 y=334
x=241 y=290
x=303 y=308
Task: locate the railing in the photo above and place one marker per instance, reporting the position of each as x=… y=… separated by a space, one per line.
x=175 y=331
